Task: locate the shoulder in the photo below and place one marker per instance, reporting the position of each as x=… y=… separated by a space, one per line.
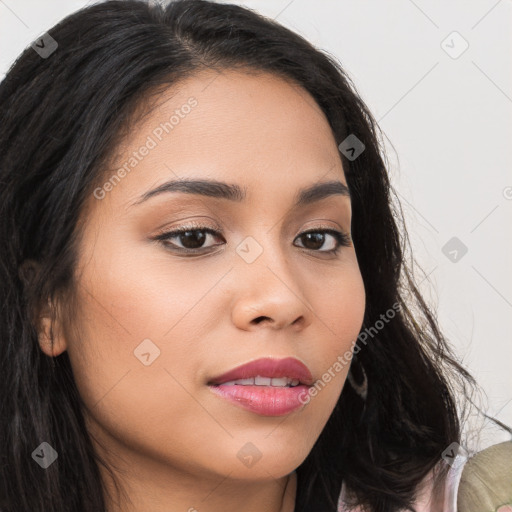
x=479 y=483
x=486 y=482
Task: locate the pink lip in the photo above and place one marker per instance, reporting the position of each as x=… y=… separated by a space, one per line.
x=266 y=400
x=268 y=367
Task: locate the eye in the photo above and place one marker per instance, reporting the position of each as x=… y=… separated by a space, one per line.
x=316 y=238
x=192 y=239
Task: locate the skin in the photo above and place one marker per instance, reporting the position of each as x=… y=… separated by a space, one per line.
x=171 y=442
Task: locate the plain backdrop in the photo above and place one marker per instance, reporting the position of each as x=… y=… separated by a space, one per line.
x=438 y=78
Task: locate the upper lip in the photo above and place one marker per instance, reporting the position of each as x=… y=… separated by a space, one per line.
x=289 y=367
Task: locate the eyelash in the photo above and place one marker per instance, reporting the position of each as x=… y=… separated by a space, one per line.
x=341 y=237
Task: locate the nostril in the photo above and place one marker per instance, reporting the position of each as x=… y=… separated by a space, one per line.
x=260 y=319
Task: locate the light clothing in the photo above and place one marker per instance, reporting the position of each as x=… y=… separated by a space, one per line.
x=426 y=500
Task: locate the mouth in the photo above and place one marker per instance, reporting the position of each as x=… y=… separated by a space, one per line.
x=278 y=382
x=267 y=386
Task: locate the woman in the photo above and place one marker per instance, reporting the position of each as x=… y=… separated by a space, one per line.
x=205 y=300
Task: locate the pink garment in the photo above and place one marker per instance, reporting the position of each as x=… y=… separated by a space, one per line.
x=426 y=500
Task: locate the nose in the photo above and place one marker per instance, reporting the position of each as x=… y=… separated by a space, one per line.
x=268 y=292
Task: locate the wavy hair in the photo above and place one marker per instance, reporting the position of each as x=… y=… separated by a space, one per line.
x=63 y=117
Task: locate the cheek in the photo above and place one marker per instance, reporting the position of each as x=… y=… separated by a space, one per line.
x=132 y=343
x=340 y=309
x=132 y=380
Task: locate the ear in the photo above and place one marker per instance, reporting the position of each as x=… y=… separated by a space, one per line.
x=50 y=333
x=48 y=321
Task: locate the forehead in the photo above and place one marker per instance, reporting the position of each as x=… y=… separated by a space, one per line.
x=250 y=128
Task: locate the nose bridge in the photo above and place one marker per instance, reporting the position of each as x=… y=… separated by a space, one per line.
x=268 y=286
x=264 y=255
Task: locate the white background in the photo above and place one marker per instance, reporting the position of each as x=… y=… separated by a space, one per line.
x=450 y=122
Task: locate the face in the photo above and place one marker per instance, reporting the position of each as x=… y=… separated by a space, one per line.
x=162 y=315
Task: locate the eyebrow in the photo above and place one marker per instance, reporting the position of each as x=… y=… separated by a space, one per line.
x=233 y=192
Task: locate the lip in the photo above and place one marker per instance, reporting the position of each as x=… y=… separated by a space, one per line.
x=265 y=400
x=268 y=367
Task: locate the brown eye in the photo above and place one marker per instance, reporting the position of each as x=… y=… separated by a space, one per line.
x=192 y=239
x=315 y=239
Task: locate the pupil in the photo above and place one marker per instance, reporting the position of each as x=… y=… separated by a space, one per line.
x=316 y=237
x=192 y=239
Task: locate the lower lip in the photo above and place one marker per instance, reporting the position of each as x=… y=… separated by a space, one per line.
x=264 y=400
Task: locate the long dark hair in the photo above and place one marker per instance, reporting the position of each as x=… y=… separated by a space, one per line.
x=62 y=116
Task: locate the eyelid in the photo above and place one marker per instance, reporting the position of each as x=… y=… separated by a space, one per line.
x=188 y=225
x=198 y=224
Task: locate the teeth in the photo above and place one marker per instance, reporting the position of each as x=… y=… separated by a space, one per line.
x=264 y=381
x=245 y=382
x=276 y=381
